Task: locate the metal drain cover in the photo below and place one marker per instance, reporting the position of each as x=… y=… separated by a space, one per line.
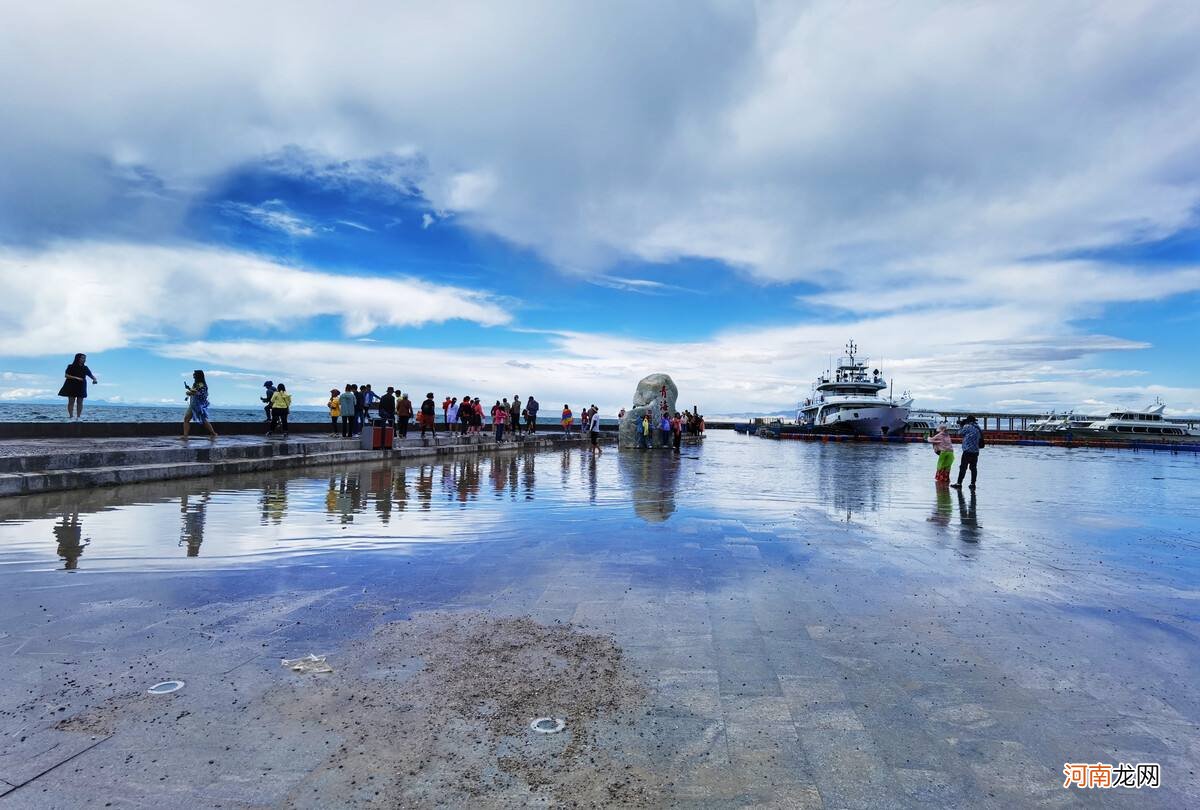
x=165 y=688
x=548 y=725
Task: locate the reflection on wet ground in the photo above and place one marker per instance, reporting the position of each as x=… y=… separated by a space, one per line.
x=815 y=624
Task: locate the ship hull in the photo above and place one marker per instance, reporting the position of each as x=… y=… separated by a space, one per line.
x=1092 y=434
x=868 y=420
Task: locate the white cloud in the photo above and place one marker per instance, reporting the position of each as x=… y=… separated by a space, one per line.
x=105 y=296
x=271 y=214
x=789 y=139
x=24 y=393
x=739 y=370
x=643 y=286
x=426 y=220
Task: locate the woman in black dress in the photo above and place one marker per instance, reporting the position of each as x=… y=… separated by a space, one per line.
x=74 y=386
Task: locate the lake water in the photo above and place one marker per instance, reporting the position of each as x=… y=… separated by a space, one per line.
x=958 y=639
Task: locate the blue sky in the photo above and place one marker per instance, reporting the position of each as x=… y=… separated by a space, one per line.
x=558 y=199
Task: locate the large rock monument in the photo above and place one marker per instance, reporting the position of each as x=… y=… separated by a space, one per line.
x=654 y=394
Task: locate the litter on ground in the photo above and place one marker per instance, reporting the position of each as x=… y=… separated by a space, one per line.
x=309 y=663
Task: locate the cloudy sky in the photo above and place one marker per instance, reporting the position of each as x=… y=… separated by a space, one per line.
x=997 y=201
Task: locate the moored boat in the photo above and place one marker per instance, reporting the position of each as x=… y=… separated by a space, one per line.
x=1148 y=425
x=847 y=399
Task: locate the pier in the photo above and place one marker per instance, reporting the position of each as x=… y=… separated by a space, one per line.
x=1015 y=422
x=998 y=437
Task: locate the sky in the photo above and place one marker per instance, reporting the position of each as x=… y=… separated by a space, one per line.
x=998 y=202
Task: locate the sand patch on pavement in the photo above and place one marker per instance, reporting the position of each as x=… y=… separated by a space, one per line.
x=435 y=711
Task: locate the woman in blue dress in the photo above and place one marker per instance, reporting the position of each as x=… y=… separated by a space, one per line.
x=197 y=410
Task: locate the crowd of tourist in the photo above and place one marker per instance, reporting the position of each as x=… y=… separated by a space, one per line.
x=356 y=405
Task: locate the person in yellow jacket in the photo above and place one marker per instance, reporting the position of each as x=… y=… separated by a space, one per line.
x=281 y=403
x=335 y=408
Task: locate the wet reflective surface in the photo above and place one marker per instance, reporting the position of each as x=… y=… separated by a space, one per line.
x=826 y=595
x=1124 y=507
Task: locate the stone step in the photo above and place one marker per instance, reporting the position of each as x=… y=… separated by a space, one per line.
x=28 y=483
x=307 y=454
x=198 y=450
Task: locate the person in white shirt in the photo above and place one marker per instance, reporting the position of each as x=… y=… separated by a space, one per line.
x=594 y=430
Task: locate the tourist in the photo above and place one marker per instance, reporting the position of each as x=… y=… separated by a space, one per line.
x=268 y=392
x=197 y=394
x=466 y=410
x=74 y=386
x=531 y=411
x=428 y=415
x=387 y=407
x=446 y=413
x=594 y=429
x=664 y=429
x=404 y=412
x=281 y=403
x=360 y=406
x=335 y=408
x=452 y=415
x=944 y=447
x=477 y=416
x=644 y=432
x=346 y=409
x=676 y=431
x=972 y=443
x=514 y=416
x=567 y=419
x=499 y=416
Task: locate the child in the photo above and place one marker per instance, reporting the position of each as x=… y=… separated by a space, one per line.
x=944 y=447
x=335 y=408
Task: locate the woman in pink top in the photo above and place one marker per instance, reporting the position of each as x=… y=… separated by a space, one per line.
x=500 y=416
x=944 y=447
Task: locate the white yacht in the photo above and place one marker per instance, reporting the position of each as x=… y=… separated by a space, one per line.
x=1047 y=423
x=923 y=422
x=1054 y=423
x=1147 y=424
x=847 y=400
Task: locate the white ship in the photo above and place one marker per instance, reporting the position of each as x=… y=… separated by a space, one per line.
x=924 y=422
x=847 y=400
x=1054 y=423
x=1146 y=424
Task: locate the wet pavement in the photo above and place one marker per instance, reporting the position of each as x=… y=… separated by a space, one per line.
x=796 y=625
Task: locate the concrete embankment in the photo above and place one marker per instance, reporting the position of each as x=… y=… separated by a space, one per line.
x=48 y=465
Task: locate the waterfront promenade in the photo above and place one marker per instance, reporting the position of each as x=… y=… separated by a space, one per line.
x=746 y=624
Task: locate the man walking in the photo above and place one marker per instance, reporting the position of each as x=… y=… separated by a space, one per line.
x=972 y=441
